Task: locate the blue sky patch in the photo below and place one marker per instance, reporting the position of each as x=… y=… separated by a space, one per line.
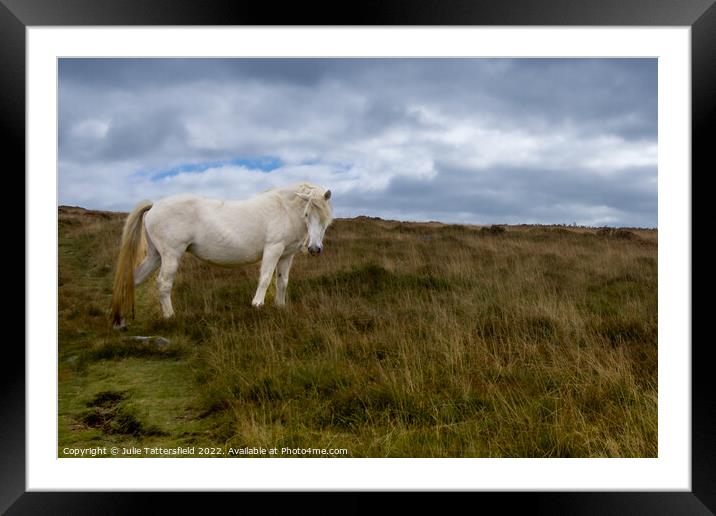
x=262 y=163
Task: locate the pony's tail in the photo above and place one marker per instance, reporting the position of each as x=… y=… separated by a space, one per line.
x=130 y=252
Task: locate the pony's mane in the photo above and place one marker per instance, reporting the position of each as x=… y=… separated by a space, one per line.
x=318 y=202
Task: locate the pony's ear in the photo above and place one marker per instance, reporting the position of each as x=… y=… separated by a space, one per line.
x=327 y=195
x=303 y=196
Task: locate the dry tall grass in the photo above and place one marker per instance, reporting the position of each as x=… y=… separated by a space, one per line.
x=401 y=340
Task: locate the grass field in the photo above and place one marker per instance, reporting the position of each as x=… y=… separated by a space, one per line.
x=400 y=340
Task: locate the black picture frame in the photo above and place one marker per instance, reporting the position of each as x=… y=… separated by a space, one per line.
x=700 y=15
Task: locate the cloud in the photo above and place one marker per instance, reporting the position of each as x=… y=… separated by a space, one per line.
x=470 y=140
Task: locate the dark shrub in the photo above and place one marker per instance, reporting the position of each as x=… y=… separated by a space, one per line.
x=493 y=230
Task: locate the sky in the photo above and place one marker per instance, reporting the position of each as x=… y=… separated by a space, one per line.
x=472 y=141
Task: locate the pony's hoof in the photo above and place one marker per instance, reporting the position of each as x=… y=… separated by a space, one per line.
x=256 y=304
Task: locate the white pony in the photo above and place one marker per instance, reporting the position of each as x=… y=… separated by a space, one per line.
x=272 y=227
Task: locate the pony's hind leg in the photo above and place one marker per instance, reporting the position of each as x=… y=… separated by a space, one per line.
x=165 y=280
x=148 y=265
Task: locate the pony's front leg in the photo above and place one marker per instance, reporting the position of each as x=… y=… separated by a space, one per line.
x=282 y=269
x=268 y=264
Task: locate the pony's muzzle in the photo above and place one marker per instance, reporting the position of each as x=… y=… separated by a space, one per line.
x=315 y=249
